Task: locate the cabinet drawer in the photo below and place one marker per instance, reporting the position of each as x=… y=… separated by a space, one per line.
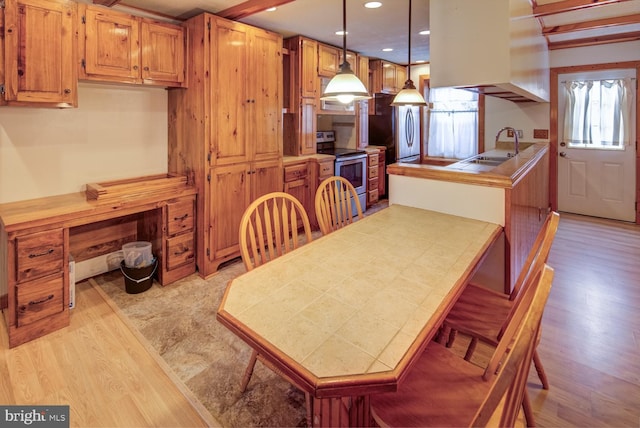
x=372 y=183
x=373 y=196
x=39 y=299
x=373 y=160
x=180 y=250
x=179 y=216
x=39 y=254
x=373 y=172
x=295 y=172
x=326 y=169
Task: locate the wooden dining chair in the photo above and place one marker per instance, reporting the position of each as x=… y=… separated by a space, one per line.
x=333 y=204
x=483 y=313
x=271 y=227
x=443 y=389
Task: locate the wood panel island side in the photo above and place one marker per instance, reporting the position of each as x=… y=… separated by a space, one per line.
x=514 y=194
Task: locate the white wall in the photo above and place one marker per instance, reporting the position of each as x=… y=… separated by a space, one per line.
x=116 y=132
x=527 y=116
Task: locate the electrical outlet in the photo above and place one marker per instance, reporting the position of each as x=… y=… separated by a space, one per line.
x=541 y=133
x=520 y=133
x=510 y=133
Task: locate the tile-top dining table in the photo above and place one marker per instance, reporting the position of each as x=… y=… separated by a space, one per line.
x=346 y=316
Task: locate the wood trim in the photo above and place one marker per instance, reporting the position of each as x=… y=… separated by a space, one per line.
x=249 y=7
x=569 y=5
x=553 y=122
x=592 y=41
x=591 y=25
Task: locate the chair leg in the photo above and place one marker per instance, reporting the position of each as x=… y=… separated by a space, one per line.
x=528 y=410
x=471 y=348
x=452 y=337
x=541 y=374
x=249 y=371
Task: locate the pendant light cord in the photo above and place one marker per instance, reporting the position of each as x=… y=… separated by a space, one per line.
x=409 y=53
x=344 y=31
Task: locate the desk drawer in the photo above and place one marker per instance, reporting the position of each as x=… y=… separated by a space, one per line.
x=373 y=172
x=180 y=250
x=373 y=160
x=39 y=254
x=39 y=299
x=180 y=216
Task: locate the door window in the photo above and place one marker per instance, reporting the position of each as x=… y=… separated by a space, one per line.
x=598 y=113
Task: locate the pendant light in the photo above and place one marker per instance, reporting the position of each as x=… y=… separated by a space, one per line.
x=409 y=95
x=345 y=86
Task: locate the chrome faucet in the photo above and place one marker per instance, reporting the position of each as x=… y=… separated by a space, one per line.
x=515 y=137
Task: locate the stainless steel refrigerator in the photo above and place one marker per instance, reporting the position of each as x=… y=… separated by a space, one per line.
x=396 y=128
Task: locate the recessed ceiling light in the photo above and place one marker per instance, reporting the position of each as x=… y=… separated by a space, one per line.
x=387 y=49
x=271 y=9
x=340 y=33
x=424 y=32
x=420 y=61
x=372 y=4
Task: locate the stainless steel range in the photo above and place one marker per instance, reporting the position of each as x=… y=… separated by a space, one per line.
x=350 y=164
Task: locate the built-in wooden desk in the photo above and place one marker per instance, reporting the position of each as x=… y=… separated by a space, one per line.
x=37 y=237
x=345 y=316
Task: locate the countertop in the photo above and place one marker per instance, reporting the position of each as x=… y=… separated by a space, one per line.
x=290 y=160
x=504 y=175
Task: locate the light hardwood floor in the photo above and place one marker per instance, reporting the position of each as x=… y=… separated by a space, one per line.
x=100 y=369
x=590 y=346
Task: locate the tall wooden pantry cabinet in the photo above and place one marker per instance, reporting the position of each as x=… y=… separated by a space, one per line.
x=225 y=130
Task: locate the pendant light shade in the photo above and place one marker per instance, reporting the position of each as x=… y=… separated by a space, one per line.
x=409 y=95
x=345 y=86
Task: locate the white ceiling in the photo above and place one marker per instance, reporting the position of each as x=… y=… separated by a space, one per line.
x=371 y=30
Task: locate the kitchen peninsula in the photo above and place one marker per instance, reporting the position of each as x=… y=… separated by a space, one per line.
x=514 y=194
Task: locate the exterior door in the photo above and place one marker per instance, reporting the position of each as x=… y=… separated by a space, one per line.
x=596 y=180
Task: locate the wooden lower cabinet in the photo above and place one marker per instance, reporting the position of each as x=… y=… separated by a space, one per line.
x=372 y=174
x=296 y=183
x=231 y=190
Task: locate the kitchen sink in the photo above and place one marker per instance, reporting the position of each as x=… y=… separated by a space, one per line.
x=487 y=160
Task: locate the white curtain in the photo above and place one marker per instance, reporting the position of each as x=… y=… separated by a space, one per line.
x=453 y=123
x=598 y=113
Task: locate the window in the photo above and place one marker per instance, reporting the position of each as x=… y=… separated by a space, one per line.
x=598 y=113
x=453 y=123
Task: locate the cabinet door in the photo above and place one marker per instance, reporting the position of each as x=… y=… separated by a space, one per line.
x=328 y=60
x=229 y=99
x=265 y=91
x=309 y=82
x=111 y=45
x=40 y=52
x=401 y=77
x=299 y=189
x=266 y=177
x=363 y=70
x=307 y=129
x=162 y=53
x=230 y=196
x=388 y=77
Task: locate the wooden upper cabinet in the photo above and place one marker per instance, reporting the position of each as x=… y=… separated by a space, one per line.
x=387 y=77
x=265 y=87
x=119 y=47
x=230 y=67
x=39 y=53
x=163 y=53
x=362 y=70
x=309 y=84
x=247 y=125
x=328 y=60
